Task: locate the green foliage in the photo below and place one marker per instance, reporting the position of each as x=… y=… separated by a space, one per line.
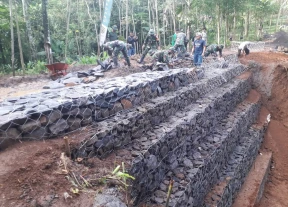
x=35 y=67
x=87 y=60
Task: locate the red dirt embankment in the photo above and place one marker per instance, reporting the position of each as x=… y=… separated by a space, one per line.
x=271 y=80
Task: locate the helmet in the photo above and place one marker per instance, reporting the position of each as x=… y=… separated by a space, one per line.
x=114 y=27
x=151 y=32
x=182 y=30
x=199 y=34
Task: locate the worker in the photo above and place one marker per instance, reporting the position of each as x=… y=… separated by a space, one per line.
x=243 y=48
x=213 y=49
x=115 y=47
x=151 y=44
x=112 y=36
x=180 y=42
x=163 y=56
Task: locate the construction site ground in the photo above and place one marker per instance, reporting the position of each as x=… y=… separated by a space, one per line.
x=31 y=172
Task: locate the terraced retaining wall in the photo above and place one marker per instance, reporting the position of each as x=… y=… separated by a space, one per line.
x=171 y=147
x=53 y=112
x=132 y=124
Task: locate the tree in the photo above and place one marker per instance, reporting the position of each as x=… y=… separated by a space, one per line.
x=47 y=42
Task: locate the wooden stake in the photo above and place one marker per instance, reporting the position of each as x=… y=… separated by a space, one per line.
x=169 y=192
x=67 y=147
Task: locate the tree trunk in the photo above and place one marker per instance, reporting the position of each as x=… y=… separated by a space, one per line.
x=47 y=43
x=149 y=13
x=246 y=29
x=157 y=20
x=127 y=21
x=173 y=16
x=20 y=44
x=218 y=25
x=119 y=14
x=67 y=27
x=2 y=53
x=12 y=36
x=29 y=31
x=282 y=4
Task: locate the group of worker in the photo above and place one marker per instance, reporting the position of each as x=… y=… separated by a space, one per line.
x=151 y=47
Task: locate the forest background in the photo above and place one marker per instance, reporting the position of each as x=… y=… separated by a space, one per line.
x=73 y=26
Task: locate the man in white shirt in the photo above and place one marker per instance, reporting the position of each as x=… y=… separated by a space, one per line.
x=243 y=48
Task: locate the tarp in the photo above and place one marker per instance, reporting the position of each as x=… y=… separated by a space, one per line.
x=105 y=21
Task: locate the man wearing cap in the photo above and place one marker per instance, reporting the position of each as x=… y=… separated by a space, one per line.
x=199 y=47
x=112 y=36
x=151 y=44
x=213 y=49
x=180 y=42
x=115 y=47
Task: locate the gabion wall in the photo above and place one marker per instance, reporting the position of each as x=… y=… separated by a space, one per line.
x=129 y=125
x=58 y=111
x=170 y=148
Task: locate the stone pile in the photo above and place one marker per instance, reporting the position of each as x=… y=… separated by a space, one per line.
x=53 y=112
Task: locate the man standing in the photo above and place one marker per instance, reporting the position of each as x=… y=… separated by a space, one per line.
x=116 y=47
x=199 y=47
x=151 y=44
x=131 y=40
x=213 y=49
x=180 y=42
x=112 y=36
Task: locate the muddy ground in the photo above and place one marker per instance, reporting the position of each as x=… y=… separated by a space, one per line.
x=31 y=173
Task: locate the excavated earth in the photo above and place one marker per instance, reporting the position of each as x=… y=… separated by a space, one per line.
x=204 y=136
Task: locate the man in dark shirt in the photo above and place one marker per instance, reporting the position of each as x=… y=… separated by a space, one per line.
x=131 y=40
x=199 y=47
x=112 y=36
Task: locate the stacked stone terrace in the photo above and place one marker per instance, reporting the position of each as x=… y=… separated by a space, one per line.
x=191 y=126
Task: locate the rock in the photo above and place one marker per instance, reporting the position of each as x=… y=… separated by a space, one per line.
x=37 y=134
x=74 y=80
x=85 y=113
x=54 y=85
x=107 y=200
x=11 y=133
x=30 y=126
x=89 y=79
x=74 y=123
x=87 y=121
x=188 y=163
x=60 y=126
x=116 y=108
x=54 y=116
x=126 y=104
x=43 y=120
x=151 y=162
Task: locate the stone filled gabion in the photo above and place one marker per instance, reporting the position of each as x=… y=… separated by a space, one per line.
x=190 y=125
x=237 y=167
x=130 y=125
x=57 y=111
x=213 y=152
